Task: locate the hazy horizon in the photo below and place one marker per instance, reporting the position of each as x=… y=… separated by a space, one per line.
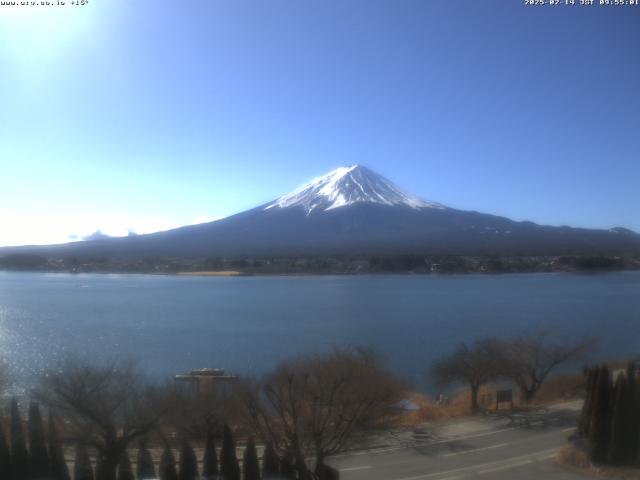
x=143 y=117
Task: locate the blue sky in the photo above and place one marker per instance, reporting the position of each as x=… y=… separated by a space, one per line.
x=150 y=114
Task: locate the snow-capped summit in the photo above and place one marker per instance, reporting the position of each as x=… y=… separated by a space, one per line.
x=347 y=186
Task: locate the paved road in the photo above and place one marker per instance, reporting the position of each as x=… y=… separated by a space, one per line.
x=518 y=448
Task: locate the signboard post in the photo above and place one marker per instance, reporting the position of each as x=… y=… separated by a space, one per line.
x=504 y=396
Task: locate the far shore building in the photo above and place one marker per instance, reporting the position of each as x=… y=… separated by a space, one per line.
x=207 y=380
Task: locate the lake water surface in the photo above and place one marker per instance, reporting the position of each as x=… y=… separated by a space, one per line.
x=247 y=324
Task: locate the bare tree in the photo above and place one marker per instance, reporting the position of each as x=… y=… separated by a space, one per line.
x=530 y=358
x=474 y=365
x=196 y=413
x=5 y=378
x=107 y=406
x=318 y=405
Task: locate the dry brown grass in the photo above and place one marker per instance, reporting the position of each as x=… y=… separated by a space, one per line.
x=429 y=411
x=559 y=388
x=572 y=456
x=570 y=386
x=562 y=387
x=576 y=459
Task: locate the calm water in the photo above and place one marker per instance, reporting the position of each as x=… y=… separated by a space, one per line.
x=247 y=324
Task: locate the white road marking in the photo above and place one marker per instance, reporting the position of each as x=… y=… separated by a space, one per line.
x=471 y=470
x=511 y=462
x=546 y=457
x=490 y=447
x=567 y=430
x=440 y=442
x=353 y=469
x=371 y=451
x=517 y=464
x=386 y=464
x=367 y=467
x=506 y=466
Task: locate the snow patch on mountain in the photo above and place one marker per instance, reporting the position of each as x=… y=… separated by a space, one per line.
x=347 y=186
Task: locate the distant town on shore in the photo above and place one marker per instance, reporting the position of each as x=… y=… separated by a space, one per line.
x=331 y=265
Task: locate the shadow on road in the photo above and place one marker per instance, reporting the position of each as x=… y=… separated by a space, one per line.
x=538 y=419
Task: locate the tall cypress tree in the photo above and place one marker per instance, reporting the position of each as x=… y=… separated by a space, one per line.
x=125 y=472
x=5 y=456
x=600 y=430
x=587 y=406
x=188 y=462
x=633 y=448
x=58 y=467
x=210 y=461
x=270 y=462
x=167 y=468
x=287 y=466
x=38 y=455
x=620 y=419
x=250 y=464
x=19 y=454
x=229 y=466
x=101 y=473
x=82 y=469
x=145 y=468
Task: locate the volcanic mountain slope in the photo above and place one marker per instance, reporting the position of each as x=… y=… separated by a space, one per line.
x=353 y=210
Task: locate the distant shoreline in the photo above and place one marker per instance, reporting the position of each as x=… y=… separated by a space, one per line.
x=237 y=274
x=213 y=273
x=411 y=264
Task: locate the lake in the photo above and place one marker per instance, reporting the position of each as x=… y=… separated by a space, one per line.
x=246 y=325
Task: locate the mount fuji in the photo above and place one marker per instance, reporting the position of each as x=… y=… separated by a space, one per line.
x=352 y=211
x=348 y=186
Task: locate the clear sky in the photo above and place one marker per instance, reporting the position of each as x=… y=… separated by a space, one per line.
x=142 y=115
